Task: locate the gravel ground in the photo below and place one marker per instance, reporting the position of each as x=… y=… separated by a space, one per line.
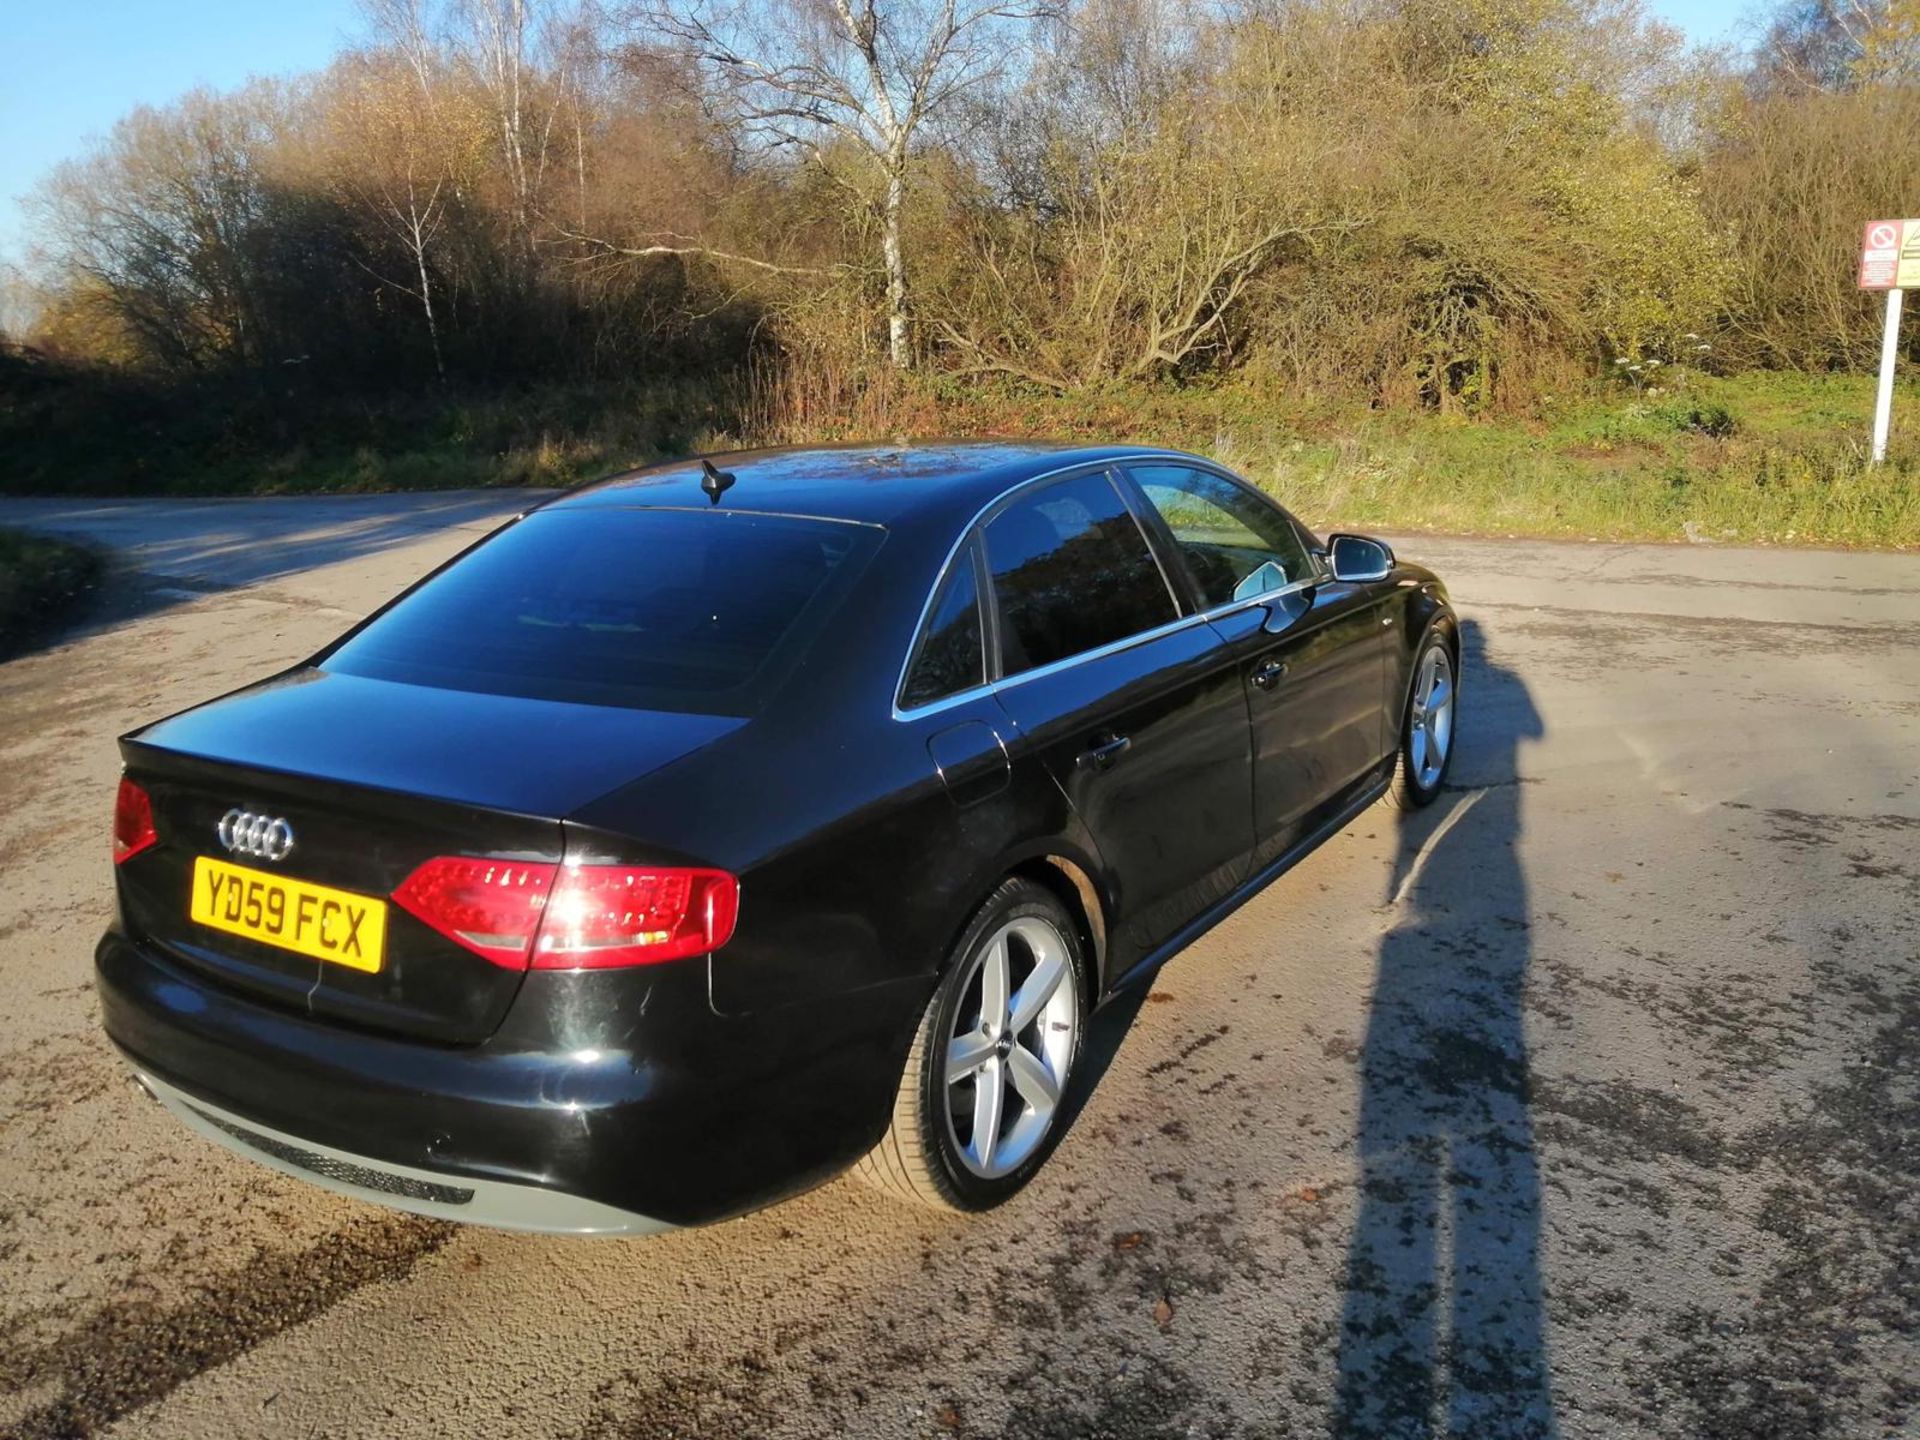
x=1586 y=1103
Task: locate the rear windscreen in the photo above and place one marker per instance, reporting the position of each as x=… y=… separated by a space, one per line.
x=657 y=609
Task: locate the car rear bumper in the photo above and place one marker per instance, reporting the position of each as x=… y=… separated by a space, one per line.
x=603 y=1112
x=498 y=1203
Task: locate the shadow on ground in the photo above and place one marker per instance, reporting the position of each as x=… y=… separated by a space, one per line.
x=1442 y=1327
x=1443 y=1330
x=164 y=553
x=229 y=543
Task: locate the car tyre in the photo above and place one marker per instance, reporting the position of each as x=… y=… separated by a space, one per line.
x=1427 y=728
x=983 y=1096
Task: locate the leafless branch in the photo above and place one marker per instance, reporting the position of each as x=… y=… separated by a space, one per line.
x=706 y=252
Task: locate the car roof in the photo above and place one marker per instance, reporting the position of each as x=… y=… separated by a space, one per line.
x=935 y=480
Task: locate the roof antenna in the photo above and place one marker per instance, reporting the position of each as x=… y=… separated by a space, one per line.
x=715 y=482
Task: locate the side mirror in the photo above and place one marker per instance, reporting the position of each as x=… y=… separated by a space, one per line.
x=1357 y=557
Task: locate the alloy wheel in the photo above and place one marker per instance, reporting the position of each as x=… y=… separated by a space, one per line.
x=1430 y=725
x=1012 y=1044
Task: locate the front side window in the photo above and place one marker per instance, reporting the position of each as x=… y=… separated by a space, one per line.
x=1071 y=572
x=1234 y=544
x=950 y=657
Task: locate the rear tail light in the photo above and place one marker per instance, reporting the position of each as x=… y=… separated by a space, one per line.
x=569 y=917
x=603 y=915
x=132 y=821
x=492 y=907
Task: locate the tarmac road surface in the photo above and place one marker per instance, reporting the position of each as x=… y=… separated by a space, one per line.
x=1586 y=1103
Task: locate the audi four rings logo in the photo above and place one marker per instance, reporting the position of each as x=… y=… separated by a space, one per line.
x=266 y=837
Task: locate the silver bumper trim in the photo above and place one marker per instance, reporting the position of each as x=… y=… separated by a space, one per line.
x=501 y=1204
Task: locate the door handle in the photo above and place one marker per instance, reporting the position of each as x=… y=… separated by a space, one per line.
x=1102 y=755
x=1267 y=674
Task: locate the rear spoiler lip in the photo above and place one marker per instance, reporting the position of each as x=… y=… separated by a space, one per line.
x=543 y=834
x=545 y=839
x=279 y=677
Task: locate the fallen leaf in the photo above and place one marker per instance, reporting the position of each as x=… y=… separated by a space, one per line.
x=1162 y=1312
x=1160 y=997
x=947 y=1417
x=1132 y=1240
x=1309 y=1194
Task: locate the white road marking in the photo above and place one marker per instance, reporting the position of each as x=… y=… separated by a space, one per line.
x=1432 y=843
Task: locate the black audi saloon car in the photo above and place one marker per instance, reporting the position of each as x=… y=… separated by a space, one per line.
x=704 y=832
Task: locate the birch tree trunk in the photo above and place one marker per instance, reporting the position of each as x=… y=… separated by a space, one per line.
x=419 y=238
x=856 y=75
x=899 y=321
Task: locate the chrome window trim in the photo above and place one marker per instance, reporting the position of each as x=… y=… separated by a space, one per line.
x=1265 y=597
x=967 y=552
x=967 y=531
x=1052 y=667
x=971 y=528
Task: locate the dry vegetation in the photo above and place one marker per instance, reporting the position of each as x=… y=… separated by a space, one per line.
x=1499 y=264
x=42 y=581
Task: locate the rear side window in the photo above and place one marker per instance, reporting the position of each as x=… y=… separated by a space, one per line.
x=1071 y=572
x=950 y=657
x=654 y=609
x=1234 y=544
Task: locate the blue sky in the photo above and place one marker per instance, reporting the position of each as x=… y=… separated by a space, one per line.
x=1710 y=22
x=70 y=68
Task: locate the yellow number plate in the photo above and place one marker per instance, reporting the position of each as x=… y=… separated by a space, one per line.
x=311 y=920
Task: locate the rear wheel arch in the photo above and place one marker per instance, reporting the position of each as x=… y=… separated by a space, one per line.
x=1059 y=865
x=1074 y=888
x=920 y=1156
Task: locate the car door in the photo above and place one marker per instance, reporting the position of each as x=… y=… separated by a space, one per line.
x=1308 y=649
x=1133 y=703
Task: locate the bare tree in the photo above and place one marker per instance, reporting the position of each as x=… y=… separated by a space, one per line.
x=20 y=304
x=1838 y=45
x=403 y=145
x=501 y=37
x=160 y=221
x=1145 y=271
x=405 y=26
x=865 y=75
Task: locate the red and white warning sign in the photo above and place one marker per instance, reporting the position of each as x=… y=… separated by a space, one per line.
x=1890 y=255
x=1889 y=261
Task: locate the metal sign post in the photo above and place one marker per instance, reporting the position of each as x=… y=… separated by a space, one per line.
x=1883 y=398
x=1889 y=261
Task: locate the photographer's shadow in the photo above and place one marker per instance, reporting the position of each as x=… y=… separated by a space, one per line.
x=1443 y=1331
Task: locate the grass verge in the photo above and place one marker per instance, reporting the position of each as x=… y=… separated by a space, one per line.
x=1758 y=460
x=1752 y=459
x=41 y=581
